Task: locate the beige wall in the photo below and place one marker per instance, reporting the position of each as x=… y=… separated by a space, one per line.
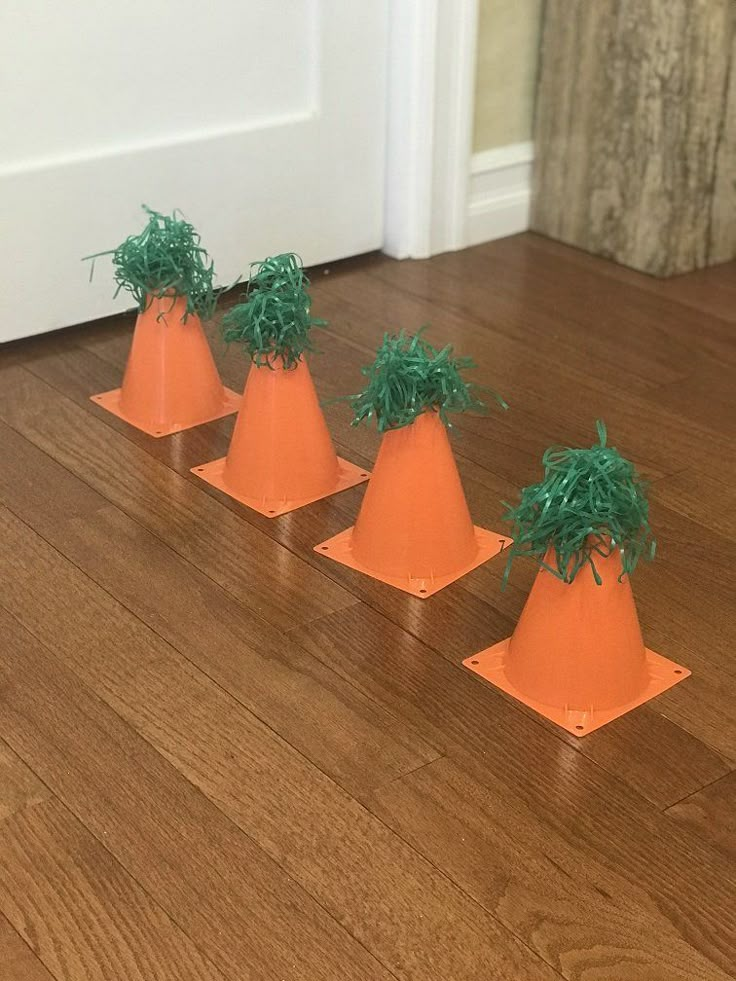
x=508 y=40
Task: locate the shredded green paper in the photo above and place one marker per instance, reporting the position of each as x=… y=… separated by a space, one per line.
x=590 y=503
x=275 y=321
x=409 y=377
x=166 y=259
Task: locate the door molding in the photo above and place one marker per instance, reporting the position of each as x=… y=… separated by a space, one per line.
x=500 y=192
x=431 y=77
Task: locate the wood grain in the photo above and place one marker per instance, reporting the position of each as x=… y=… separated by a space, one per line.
x=711 y=813
x=170 y=506
x=472 y=724
x=457 y=622
x=282 y=755
x=242 y=912
x=18 y=960
x=585 y=919
x=19 y=786
x=633 y=138
x=688 y=312
x=328 y=839
x=80 y=912
x=336 y=726
x=706 y=293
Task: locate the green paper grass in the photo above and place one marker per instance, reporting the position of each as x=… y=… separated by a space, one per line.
x=590 y=503
x=274 y=323
x=409 y=377
x=166 y=259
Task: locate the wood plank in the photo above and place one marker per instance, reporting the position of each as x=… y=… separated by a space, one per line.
x=711 y=292
x=19 y=786
x=170 y=506
x=657 y=448
x=369 y=696
x=80 y=912
x=76 y=371
x=240 y=909
x=504 y=444
x=214 y=540
x=18 y=960
x=681 y=729
x=696 y=308
x=330 y=722
x=75 y=376
x=499 y=443
x=549 y=396
x=455 y=616
x=470 y=722
x=678 y=333
x=681 y=621
x=703 y=493
x=578 y=912
x=711 y=814
x=657 y=732
x=707 y=391
x=529 y=373
x=394 y=903
x=683 y=599
x=528 y=307
x=458 y=623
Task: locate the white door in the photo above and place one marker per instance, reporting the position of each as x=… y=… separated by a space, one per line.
x=262 y=120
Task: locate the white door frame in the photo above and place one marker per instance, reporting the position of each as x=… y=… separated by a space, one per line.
x=431 y=78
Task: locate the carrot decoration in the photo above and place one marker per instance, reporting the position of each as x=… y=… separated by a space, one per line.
x=274 y=322
x=589 y=504
x=171 y=381
x=409 y=376
x=281 y=455
x=577 y=654
x=165 y=260
x=414 y=530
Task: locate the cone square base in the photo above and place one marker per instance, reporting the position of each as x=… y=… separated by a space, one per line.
x=349 y=475
x=111 y=402
x=663 y=674
x=339 y=548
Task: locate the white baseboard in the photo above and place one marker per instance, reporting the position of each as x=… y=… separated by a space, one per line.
x=500 y=192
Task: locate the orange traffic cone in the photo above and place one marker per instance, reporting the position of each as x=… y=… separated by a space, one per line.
x=281 y=455
x=577 y=655
x=414 y=530
x=170 y=382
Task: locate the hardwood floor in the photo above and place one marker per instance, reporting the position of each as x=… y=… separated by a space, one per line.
x=224 y=758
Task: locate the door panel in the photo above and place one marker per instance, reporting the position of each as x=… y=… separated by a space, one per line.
x=266 y=131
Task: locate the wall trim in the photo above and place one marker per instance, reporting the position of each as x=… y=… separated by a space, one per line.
x=431 y=72
x=500 y=192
